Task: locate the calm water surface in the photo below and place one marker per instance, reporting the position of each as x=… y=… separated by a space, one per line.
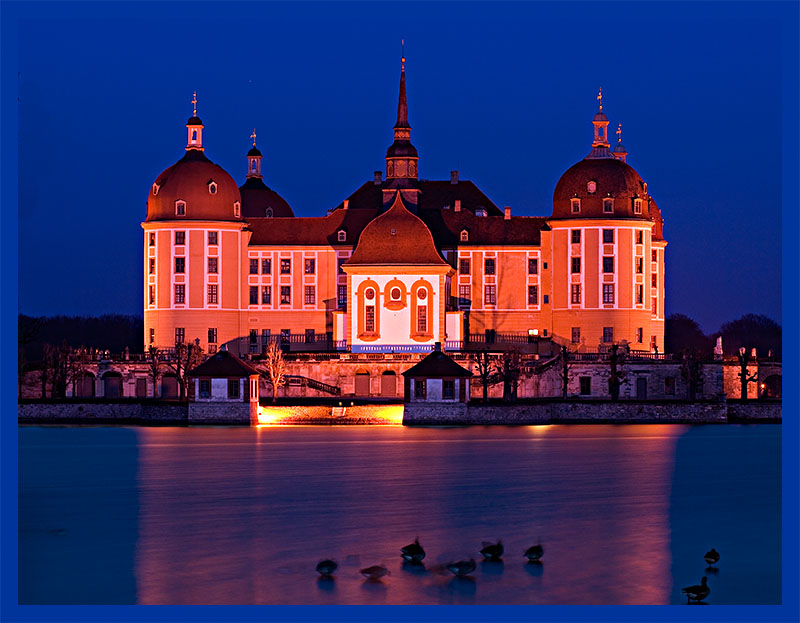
x=242 y=515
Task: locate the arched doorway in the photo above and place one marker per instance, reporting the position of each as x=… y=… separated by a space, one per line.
x=112 y=385
x=772 y=386
x=389 y=384
x=84 y=385
x=169 y=386
x=362 y=383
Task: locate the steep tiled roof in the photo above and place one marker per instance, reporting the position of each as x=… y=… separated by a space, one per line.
x=447 y=225
x=257 y=197
x=315 y=230
x=223 y=364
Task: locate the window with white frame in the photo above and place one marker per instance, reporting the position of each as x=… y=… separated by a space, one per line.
x=608 y=205
x=341 y=235
x=637 y=206
x=180 y=208
x=576 y=205
x=237 y=209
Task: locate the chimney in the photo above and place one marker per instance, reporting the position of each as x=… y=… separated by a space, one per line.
x=437 y=347
x=378 y=178
x=454 y=177
x=458 y=205
x=346 y=204
x=507 y=213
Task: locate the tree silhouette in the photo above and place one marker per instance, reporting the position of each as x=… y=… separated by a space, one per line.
x=274 y=367
x=744 y=358
x=616 y=377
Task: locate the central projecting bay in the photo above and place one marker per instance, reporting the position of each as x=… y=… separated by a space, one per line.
x=242 y=515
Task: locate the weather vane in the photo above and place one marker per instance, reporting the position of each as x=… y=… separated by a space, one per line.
x=619 y=133
x=600 y=98
x=253 y=136
x=403 y=54
x=194 y=102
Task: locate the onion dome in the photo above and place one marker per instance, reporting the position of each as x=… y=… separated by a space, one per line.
x=258 y=199
x=396 y=237
x=254 y=152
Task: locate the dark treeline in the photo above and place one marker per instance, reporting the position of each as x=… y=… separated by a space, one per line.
x=750 y=331
x=111 y=332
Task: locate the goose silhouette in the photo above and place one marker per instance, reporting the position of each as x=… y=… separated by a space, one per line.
x=462 y=567
x=375 y=572
x=326 y=567
x=534 y=553
x=492 y=551
x=413 y=552
x=711 y=557
x=698 y=592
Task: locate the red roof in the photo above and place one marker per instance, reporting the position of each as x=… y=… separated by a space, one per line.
x=447 y=225
x=223 y=364
x=311 y=230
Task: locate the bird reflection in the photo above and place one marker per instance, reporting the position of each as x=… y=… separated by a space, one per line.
x=492 y=566
x=463 y=585
x=534 y=568
x=326 y=583
x=712 y=570
x=416 y=568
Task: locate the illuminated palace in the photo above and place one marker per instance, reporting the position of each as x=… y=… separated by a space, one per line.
x=403 y=262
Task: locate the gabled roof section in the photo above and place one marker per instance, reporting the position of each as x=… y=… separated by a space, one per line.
x=396 y=237
x=314 y=230
x=223 y=364
x=447 y=225
x=437 y=365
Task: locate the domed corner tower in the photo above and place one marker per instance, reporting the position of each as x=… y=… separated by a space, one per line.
x=194 y=237
x=607 y=247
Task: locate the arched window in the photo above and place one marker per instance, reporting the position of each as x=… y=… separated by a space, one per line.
x=342 y=235
x=194 y=135
x=268 y=212
x=237 y=209
x=155 y=189
x=180 y=208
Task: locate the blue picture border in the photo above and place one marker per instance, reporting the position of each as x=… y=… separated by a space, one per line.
x=14 y=13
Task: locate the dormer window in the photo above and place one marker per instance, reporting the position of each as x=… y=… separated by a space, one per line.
x=180 y=208
x=268 y=212
x=591 y=187
x=637 y=206
x=341 y=236
x=155 y=188
x=608 y=206
x=576 y=206
x=212 y=187
x=481 y=211
x=464 y=235
x=394 y=232
x=237 y=209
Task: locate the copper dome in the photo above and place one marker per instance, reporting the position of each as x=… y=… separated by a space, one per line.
x=613 y=179
x=208 y=191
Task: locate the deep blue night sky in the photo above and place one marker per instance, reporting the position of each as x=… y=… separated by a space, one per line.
x=503 y=92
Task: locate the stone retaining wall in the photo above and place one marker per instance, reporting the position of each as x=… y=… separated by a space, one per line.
x=103 y=412
x=754 y=411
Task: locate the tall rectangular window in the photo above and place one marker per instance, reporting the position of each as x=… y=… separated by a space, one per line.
x=463 y=266
x=180 y=335
x=152 y=263
x=576 y=205
x=253 y=336
x=310 y=336
x=637 y=206
x=152 y=336
x=654 y=255
x=639 y=294
x=422 y=319
x=212 y=294
x=266 y=295
x=286 y=266
x=341 y=296
x=180 y=237
x=576 y=236
x=212 y=266
x=369 y=319
x=464 y=293
x=639 y=236
x=152 y=295
x=152 y=239
x=639 y=265
x=265 y=339
x=608 y=264
x=533 y=295
x=489 y=295
x=654 y=280
x=420 y=389
x=266 y=266
x=448 y=389
x=180 y=293
x=576 y=265
x=575 y=293
x=205 y=388
x=608 y=335
x=608 y=293
x=212 y=237
x=608 y=206
x=639 y=335
x=310 y=295
x=608 y=236
x=180 y=265
x=253 y=266
x=533 y=266
x=586 y=385
x=339 y=261
x=488 y=266
x=576 y=335
x=310 y=266
x=253 y=295
x=655 y=306
x=233 y=389
x=212 y=336
x=286 y=295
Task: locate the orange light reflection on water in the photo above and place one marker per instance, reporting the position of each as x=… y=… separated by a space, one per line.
x=391 y=415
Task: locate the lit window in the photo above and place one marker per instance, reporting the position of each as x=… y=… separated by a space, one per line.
x=637 y=206
x=576 y=335
x=180 y=237
x=286 y=266
x=266 y=266
x=253 y=266
x=212 y=187
x=422 y=320
x=464 y=294
x=212 y=237
x=576 y=264
x=212 y=294
x=341 y=296
x=180 y=208
x=576 y=236
x=576 y=293
x=212 y=336
x=608 y=236
x=533 y=295
x=180 y=293
x=286 y=295
x=180 y=264
x=608 y=206
x=310 y=266
x=533 y=266
x=180 y=335
x=463 y=266
x=480 y=212
x=608 y=264
x=341 y=236
x=576 y=206
x=489 y=295
x=608 y=293
x=488 y=266
x=608 y=335
x=369 y=319
x=266 y=295
x=212 y=265
x=464 y=235
x=253 y=295
x=237 y=209
x=310 y=295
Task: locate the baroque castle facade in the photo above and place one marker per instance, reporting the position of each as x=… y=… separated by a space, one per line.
x=403 y=262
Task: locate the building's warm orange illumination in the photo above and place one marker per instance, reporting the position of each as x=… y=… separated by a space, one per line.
x=386 y=415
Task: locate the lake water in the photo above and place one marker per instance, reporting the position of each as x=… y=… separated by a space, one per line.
x=242 y=515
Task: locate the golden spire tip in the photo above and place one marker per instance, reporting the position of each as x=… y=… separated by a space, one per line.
x=253 y=136
x=194 y=102
x=600 y=98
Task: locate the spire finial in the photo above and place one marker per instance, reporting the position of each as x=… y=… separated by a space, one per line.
x=600 y=98
x=194 y=103
x=253 y=136
x=619 y=134
x=402 y=54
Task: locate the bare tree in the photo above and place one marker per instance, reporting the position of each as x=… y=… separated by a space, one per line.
x=186 y=357
x=274 y=367
x=565 y=356
x=744 y=358
x=485 y=367
x=508 y=368
x=154 y=366
x=617 y=376
x=77 y=360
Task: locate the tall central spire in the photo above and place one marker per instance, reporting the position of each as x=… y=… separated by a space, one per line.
x=401 y=157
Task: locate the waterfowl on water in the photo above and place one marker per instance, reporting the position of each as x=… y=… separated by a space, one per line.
x=534 y=553
x=413 y=552
x=462 y=567
x=492 y=551
x=711 y=557
x=698 y=592
x=326 y=567
x=375 y=572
